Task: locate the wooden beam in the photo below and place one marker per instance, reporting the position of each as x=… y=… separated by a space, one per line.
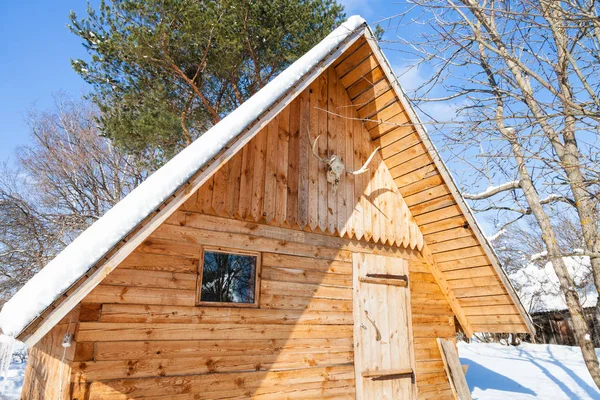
x=454 y=371
x=383 y=281
x=193 y=185
x=446 y=291
x=439 y=163
x=388 y=374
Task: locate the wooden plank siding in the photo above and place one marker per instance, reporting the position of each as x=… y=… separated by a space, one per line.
x=288 y=186
x=140 y=334
x=48 y=371
x=156 y=342
x=453 y=243
x=142 y=331
x=143 y=335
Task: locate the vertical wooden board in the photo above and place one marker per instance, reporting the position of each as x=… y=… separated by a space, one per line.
x=398 y=233
x=380 y=199
x=406 y=223
x=383 y=340
x=420 y=239
x=293 y=173
x=233 y=185
x=454 y=370
x=258 y=176
x=220 y=189
x=374 y=202
x=396 y=314
x=303 y=158
x=247 y=171
x=390 y=198
x=342 y=108
x=191 y=203
x=321 y=110
x=283 y=139
x=205 y=196
x=359 y=350
x=270 y=176
x=350 y=179
x=414 y=234
x=399 y=310
x=332 y=132
x=385 y=201
x=313 y=163
x=342 y=217
x=358 y=209
x=368 y=207
x=379 y=312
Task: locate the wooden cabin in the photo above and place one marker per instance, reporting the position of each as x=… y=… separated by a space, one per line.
x=556 y=327
x=269 y=275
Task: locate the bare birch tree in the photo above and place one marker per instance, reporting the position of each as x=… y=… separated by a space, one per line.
x=63 y=181
x=524 y=80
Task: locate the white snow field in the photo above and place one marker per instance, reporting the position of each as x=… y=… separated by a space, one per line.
x=496 y=372
x=528 y=371
x=12 y=387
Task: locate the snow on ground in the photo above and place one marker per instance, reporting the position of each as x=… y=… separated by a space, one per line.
x=496 y=372
x=12 y=388
x=528 y=371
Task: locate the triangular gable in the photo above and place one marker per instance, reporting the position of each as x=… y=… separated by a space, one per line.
x=344 y=49
x=277 y=180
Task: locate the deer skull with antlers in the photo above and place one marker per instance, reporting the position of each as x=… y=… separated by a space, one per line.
x=335 y=166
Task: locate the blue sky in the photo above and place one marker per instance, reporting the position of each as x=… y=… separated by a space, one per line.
x=35 y=51
x=36 y=47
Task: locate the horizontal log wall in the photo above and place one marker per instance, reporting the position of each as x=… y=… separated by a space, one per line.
x=432 y=318
x=48 y=371
x=141 y=335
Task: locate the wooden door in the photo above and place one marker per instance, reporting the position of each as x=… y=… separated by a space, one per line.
x=383 y=345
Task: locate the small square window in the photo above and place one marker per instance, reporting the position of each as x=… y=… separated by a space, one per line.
x=228 y=276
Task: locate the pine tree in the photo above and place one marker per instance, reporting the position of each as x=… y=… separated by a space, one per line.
x=165 y=71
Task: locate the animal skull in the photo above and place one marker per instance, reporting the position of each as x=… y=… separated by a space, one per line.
x=335 y=166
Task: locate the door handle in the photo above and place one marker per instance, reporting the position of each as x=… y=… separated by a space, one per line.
x=377 y=333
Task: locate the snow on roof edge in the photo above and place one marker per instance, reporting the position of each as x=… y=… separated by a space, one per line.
x=93 y=243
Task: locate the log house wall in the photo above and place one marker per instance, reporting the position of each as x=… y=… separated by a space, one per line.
x=141 y=335
x=47 y=372
x=431 y=318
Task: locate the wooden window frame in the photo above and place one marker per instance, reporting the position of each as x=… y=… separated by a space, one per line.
x=228 y=250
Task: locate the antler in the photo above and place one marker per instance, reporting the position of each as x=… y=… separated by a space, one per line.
x=364 y=168
x=315 y=150
x=313 y=145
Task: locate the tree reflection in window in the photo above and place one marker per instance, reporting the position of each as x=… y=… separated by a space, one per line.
x=228 y=278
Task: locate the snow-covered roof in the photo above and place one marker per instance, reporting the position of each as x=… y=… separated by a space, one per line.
x=539 y=288
x=102 y=236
